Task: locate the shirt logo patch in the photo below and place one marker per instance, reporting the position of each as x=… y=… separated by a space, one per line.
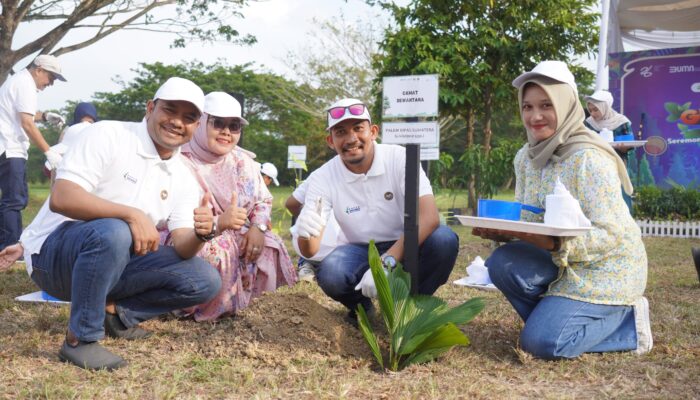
x=163 y=194
x=129 y=178
x=350 y=210
x=388 y=196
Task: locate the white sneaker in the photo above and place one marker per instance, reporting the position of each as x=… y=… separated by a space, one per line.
x=306 y=272
x=643 y=324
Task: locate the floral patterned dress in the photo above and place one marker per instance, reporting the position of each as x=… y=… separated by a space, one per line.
x=241 y=281
x=608 y=265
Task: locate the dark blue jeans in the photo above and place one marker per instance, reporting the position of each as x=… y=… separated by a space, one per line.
x=91 y=262
x=343 y=268
x=13 y=184
x=556 y=327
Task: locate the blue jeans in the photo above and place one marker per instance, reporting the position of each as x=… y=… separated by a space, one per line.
x=13 y=184
x=91 y=262
x=556 y=327
x=343 y=268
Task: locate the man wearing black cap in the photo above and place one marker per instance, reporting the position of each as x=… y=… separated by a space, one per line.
x=18 y=103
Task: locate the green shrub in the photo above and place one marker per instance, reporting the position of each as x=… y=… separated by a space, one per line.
x=677 y=203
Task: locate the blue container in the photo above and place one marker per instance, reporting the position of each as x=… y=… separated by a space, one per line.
x=624 y=138
x=501 y=209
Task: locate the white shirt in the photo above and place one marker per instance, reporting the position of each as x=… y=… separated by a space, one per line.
x=18 y=95
x=366 y=206
x=332 y=235
x=117 y=161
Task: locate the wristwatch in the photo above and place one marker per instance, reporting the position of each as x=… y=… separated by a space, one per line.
x=389 y=262
x=261 y=227
x=211 y=235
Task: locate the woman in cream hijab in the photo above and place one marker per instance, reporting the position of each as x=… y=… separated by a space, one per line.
x=575 y=294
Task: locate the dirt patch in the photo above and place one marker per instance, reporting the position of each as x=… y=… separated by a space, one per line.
x=294 y=321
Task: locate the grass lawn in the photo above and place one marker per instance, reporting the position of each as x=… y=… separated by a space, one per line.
x=294 y=344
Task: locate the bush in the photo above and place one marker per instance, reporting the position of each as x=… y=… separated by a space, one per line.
x=677 y=203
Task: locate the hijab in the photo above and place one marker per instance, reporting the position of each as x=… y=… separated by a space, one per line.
x=571 y=135
x=611 y=118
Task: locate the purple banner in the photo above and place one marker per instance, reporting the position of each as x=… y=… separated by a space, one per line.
x=659 y=91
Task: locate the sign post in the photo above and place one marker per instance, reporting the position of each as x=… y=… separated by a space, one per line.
x=407 y=98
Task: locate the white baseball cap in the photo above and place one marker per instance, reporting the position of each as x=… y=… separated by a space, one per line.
x=221 y=104
x=600 y=95
x=556 y=70
x=51 y=64
x=181 y=89
x=345 y=106
x=270 y=170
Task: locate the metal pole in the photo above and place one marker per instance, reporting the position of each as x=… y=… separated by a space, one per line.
x=410 y=244
x=600 y=77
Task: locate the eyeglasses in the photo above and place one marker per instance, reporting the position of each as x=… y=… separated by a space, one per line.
x=355 y=109
x=220 y=124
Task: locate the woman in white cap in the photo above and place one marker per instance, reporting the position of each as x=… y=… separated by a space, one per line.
x=249 y=257
x=599 y=105
x=575 y=294
x=603 y=116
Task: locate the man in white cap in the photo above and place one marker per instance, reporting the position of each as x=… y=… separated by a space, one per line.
x=95 y=240
x=18 y=114
x=269 y=173
x=363 y=186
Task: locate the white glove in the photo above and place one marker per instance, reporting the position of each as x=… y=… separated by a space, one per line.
x=310 y=223
x=369 y=289
x=53 y=158
x=54 y=119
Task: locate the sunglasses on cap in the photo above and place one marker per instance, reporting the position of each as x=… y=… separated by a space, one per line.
x=220 y=124
x=355 y=109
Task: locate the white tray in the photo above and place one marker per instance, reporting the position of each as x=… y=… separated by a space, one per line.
x=465 y=282
x=521 y=226
x=628 y=143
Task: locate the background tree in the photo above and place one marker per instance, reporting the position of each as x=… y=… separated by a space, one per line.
x=335 y=62
x=478 y=48
x=188 y=20
x=274 y=123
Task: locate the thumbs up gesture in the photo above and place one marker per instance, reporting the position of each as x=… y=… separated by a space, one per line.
x=310 y=223
x=234 y=217
x=204 y=217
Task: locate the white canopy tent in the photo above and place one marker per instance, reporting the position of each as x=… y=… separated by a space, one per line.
x=646 y=24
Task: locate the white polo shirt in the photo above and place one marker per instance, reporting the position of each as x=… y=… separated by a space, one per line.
x=118 y=161
x=18 y=95
x=332 y=235
x=366 y=206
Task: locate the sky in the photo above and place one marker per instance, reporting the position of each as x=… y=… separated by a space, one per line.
x=280 y=26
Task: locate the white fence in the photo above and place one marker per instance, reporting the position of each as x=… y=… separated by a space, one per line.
x=677 y=229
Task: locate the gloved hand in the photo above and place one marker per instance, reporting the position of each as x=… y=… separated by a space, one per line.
x=53 y=158
x=310 y=223
x=369 y=289
x=54 y=119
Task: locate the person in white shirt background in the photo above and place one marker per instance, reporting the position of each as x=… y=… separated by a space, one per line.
x=364 y=187
x=269 y=173
x=18 y=114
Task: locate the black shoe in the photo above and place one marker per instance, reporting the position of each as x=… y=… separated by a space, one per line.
x=696 y=259
x=351 y=318
x=115 y=328
x=90 y=355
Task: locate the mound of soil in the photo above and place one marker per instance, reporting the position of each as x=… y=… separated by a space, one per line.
x=294 y=321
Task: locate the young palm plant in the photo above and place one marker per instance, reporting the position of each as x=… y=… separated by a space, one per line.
x=420 y=327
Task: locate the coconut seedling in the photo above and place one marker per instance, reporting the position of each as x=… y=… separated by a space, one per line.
x=420 y=327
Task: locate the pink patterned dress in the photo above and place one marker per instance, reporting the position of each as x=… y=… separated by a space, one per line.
x=237 y=171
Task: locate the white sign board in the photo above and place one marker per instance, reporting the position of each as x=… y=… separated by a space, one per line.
x=429 y=153
x=410 y=96
x=296 y=157
x=424 y=133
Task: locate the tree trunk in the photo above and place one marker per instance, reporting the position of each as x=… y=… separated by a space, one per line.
x=471 y=183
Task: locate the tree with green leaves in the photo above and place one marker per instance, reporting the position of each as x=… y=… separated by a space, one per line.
x=90 y=21
x=478 y=48
x=274 y=122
